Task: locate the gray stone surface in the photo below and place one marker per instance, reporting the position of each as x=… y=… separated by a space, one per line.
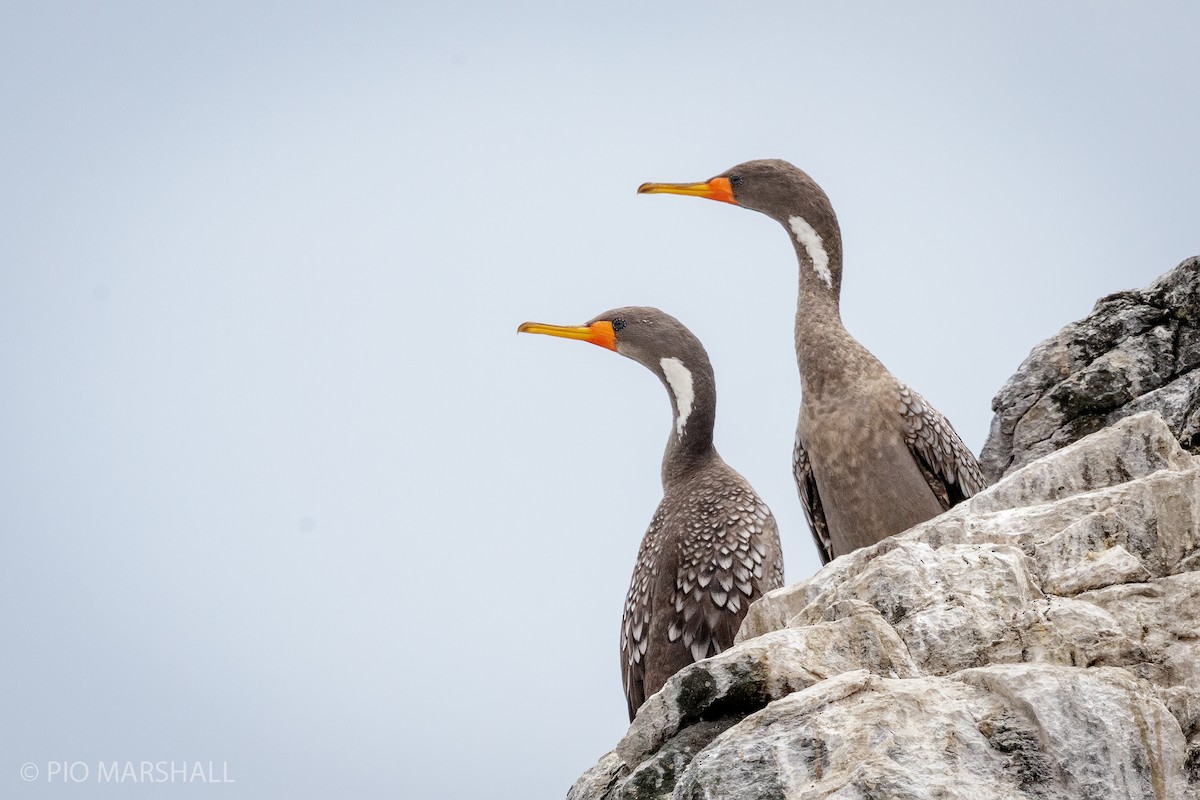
x=1137 y=351
x=1041 y=640
x=1010 y=731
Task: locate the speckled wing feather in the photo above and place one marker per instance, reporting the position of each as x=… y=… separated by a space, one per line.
x=806 y=484
x=635 y=622
x=717 y=547
x=951 y=469
x=729 y=556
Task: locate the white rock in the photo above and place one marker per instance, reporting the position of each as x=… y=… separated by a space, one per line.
x=1041 y=640
x=1014 y=731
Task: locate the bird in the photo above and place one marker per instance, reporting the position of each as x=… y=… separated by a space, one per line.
x=872 y=458
x=712 y=547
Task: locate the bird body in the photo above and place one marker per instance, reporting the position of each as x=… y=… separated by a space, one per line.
x=857 y=451
x=871 y=457
x=712 y=547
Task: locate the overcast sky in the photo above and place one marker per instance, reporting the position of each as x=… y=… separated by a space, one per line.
x=280 y=486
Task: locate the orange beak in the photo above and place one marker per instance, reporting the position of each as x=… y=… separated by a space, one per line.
x=599 y=333
x=716 y=189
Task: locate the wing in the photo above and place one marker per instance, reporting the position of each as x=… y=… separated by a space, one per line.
x=806 y=484
x=949 y=466
x=729 y=557
x=635 y=622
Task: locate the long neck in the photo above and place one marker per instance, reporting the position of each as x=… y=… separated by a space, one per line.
x=693 y=394
x=825 y=351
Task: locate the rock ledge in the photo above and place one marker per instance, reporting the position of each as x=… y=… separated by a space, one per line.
x=1041 y=640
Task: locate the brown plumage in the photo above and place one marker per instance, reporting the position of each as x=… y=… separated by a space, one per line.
x=871 y=458
x=712 y=547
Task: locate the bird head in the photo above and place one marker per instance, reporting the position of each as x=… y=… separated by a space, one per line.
x=645 y=334
x=770 y=186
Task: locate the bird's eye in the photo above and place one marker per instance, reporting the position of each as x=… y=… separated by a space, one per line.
x=618 y=324
x=735 y=180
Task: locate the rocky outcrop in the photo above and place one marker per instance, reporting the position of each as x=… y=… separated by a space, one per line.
x=1136 y=351
x=1041 y=640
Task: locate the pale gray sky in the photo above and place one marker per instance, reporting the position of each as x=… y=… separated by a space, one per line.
x=280 y=485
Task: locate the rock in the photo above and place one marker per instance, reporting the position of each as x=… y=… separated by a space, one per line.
x=1041 y=640
x=1136 y=351
x=1017 y=730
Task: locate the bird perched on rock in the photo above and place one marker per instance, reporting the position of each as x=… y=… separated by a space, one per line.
x=712 y=547
x=872 y=458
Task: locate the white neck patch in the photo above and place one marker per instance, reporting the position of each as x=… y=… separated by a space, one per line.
x=807 y=236
x=679 y=378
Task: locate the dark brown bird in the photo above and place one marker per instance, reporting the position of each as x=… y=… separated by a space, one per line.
x=712 y=547
x=872 y=458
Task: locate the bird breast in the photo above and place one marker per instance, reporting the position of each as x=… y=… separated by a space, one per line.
x=856 y=442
